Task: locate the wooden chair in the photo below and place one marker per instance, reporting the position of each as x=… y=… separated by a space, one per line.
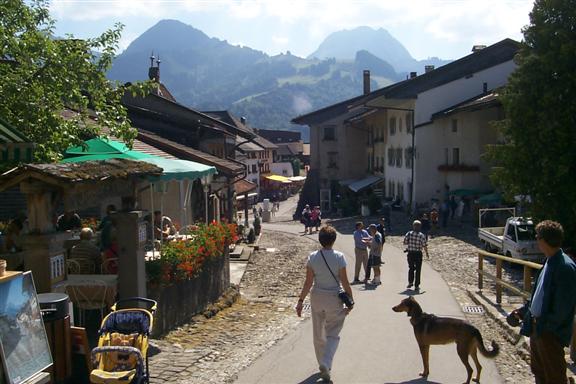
x=88 y=295
x=86 y=266
x=73 y=267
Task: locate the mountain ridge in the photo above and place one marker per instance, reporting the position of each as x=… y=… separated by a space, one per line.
x=207 y=73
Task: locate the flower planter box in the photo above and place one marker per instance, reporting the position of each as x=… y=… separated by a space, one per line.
x=178 y=302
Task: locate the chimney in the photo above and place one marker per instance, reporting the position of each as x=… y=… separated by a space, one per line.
x=154 y=72
x=428 y=68
x=243 y=120
x=366 y=81
x=413 y=74
x=477 y=48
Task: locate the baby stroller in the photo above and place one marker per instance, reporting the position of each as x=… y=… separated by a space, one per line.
x=122 y=352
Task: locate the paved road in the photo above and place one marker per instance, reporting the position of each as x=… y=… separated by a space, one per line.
x=377 y=345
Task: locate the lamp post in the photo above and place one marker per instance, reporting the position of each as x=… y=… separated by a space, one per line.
x=206 y=180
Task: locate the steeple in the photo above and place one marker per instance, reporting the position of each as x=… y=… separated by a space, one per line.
x=154 y=72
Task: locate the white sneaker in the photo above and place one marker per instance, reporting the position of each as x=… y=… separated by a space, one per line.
x=324 y=373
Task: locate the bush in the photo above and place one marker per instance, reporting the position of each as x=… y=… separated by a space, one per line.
x=182 y=260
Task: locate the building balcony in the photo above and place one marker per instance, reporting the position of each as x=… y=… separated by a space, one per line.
x=458 y=168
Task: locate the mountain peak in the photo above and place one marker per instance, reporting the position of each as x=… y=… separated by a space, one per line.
x=169 y=35
x=344 y=44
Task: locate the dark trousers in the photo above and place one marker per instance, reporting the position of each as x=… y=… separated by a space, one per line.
x=414 y=267
x=547 y=359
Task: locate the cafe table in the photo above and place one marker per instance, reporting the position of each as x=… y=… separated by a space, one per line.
x=86 y=283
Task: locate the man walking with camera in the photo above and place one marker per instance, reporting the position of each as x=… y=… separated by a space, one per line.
x=415 y=241
x=548 y=317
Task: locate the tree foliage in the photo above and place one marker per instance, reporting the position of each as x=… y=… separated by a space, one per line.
x=43 y=77
x=539 y=155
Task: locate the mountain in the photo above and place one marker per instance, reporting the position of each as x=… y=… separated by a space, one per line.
x=210 y=74
x=343 y=45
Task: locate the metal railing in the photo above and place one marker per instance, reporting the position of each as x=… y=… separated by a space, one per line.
x=500 y=283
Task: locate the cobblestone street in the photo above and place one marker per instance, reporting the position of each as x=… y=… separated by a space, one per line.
x=214 y=350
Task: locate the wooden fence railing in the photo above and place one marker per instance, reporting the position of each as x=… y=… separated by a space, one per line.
x=500 y=283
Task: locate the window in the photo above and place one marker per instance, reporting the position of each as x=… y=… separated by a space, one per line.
x=399 y=157
x=455 y=156
x=392 y=126
x=401 y=191
x=254 y=169
x=454 y=125
x=408 y=122
x=377 y=162
x=511 y=232
x=391 y=156
x=330 y=133
x=399 y=124
x=446 y=156
x=408 y=157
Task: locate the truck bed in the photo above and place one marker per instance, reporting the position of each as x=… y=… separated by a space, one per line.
x=492 y=235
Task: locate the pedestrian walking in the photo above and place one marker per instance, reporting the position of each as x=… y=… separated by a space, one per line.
x=425 y=225
x=375 y=257
x=548 y=317
x=361 y=253
x=318 y=220
x=434 y=219
x=273 y=210
x=452 y=205
x=314 y=217
x=444 y=213
x=325 y=277
x=415 y=241
x=460 y=211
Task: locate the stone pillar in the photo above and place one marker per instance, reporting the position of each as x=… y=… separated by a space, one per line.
x=131 y=233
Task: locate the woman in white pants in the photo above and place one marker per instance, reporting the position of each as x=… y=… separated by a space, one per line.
x=325 y=273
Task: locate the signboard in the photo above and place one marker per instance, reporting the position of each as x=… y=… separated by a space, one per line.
x=24 y=346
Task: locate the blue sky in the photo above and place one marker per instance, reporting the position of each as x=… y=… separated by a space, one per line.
x=444 y=28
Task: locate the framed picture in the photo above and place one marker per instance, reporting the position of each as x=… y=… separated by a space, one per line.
x=24 y=347
x=80 y=344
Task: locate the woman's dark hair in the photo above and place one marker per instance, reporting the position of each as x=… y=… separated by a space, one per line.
x=551 y=232
x=327 y=236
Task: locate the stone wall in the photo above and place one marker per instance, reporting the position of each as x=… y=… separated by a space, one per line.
x=178 y=302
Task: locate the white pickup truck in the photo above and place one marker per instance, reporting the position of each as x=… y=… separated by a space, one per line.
x=516 y=239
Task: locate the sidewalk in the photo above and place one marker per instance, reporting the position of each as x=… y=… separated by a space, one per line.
x=377 y=344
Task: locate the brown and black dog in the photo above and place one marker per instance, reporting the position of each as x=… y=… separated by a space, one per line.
x=432 y=330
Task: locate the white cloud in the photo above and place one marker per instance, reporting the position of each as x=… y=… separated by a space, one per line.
x=426 y=24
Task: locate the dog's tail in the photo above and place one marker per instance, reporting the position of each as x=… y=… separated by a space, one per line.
x=486 y=353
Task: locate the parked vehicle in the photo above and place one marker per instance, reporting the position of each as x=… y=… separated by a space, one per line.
x=517 y=238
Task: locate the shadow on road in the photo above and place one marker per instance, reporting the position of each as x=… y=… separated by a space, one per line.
x=411 y=292
x=312 y=379
x=414 y=381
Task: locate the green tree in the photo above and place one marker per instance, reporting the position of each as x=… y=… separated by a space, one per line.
x=539 y=155
x=43 y=76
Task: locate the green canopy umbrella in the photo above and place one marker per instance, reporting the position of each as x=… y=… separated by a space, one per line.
x=97 y=146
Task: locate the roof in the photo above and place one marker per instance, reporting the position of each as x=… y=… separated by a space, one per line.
x=86 y=172
x=265 y=143
x=364 y=183
x=488 y=57
x=181 y=151
x=482 y=101
x=280 y=136
x=158 y=107
x=9 y=134
x=495 y=54
x=231 y=120
x=285 y=150
x=163 y=91
x=244 y=186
